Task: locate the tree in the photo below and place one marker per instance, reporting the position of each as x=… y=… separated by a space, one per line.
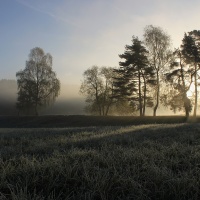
x=135 y=74
x=97 y=86
x=180 y=78
x=158 y=45
x=107 y=75
x=191 y=52
x=37 y=83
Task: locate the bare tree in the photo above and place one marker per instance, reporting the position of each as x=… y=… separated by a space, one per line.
x=37 y=83
x=107 y=75
x=97 y=86
x=158 y=44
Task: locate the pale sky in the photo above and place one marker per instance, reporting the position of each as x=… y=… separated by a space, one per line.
x=82 y=33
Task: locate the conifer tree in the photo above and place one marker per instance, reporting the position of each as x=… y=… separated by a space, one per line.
x=180 y=78
x=191 y=52
x=135 y=74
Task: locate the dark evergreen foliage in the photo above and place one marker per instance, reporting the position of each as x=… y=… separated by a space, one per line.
x=180 y=79
x=191 y=52
x=134 y=76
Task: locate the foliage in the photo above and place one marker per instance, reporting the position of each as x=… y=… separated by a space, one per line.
x=97 y=86
x=157 y=42
x=135 y=162
x=184 y=73
x=37 y=83
x=191 y=52
x=180 y=79
x=134 y=75
x=190 y=46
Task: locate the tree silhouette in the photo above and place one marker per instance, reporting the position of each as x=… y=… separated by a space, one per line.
x=158 y=45
x=97 y=86
x=37 y=83
x=180 y=78
x=135 y=74
x=191 y=52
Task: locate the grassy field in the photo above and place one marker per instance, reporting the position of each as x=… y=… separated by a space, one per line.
x=154 y=161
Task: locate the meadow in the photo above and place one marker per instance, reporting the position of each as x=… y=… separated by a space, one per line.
x=149 y=161
x=58 y=121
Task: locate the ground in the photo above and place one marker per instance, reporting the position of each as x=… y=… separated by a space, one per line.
x=152 y=161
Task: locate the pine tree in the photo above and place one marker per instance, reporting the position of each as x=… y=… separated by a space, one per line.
x=180 y=78
x=134 y=75
x=191 y=52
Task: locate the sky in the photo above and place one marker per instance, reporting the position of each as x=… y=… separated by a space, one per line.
x=82 y=33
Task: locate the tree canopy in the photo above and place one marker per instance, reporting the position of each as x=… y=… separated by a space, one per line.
x=97 y=86
x=37 y=83
x=135 y=74
x=149 y=74
x=191 y=52
x=157 y=42
x=180 y=79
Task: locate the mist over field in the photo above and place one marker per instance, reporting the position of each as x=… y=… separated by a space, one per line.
x=69 y=102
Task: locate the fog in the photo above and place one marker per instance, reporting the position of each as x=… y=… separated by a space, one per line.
x=69 y=102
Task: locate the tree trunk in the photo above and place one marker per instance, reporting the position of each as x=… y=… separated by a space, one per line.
x=186 y=109
x=196 y=95
x=108 y=107
x=97 y=101
x=36 y=106
x=157 y=95
x=144 y=101
x=144 y=98
x=185 y=98
x=100 y=111
x=103 y=109
x=186 y=101
x=36 y=110
x=110 y=103
x=140 y=95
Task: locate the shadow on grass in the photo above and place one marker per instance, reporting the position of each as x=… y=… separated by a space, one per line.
x=135 y=162
x=129 y=136
x=56 y=121
x=43 y=142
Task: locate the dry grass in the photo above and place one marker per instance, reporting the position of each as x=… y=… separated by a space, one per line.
x=107 y=163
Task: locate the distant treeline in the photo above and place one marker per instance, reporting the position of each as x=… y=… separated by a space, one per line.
x=150 y=75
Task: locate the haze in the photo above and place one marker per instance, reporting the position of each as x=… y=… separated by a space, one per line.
x=79 y=34
x=68 y=102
